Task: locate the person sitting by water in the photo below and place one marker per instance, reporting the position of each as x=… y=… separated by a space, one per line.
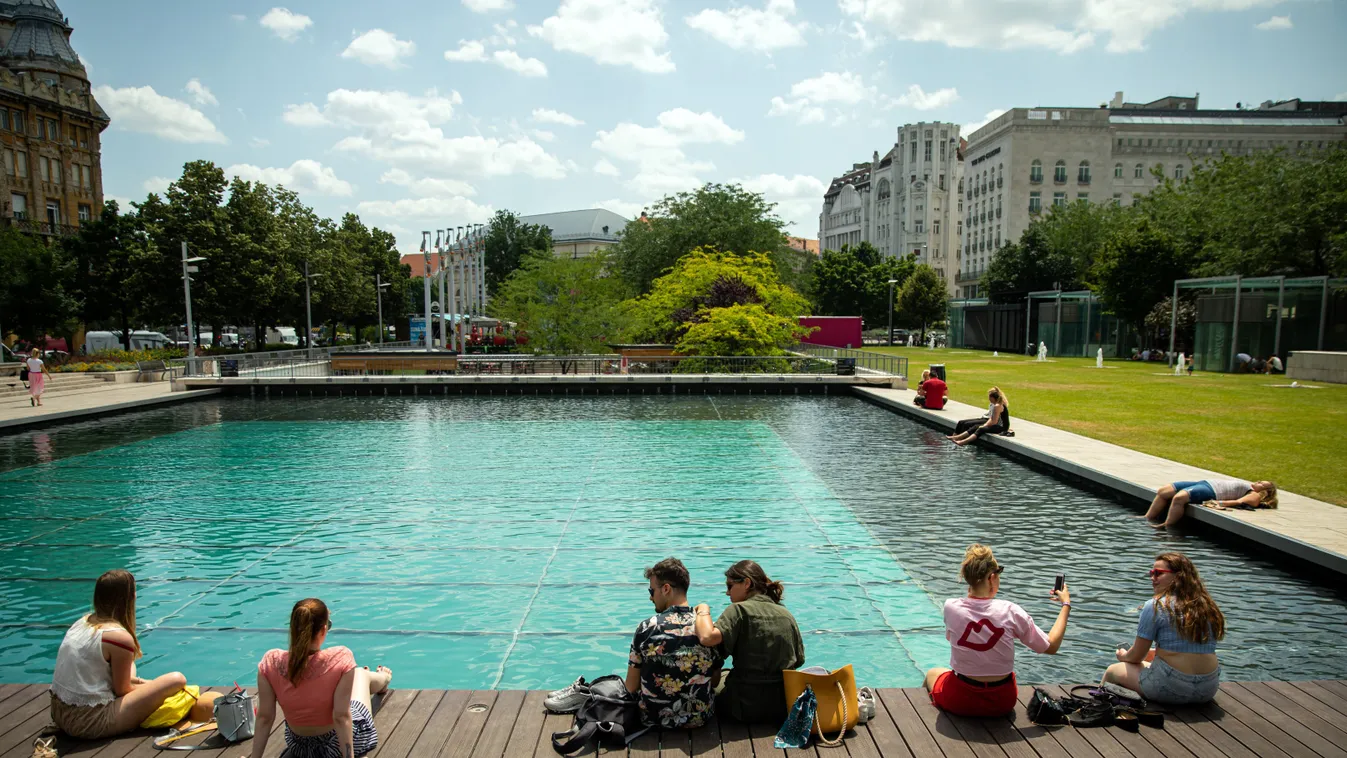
x=997 y=420
x=931 y=392
x=1184 y=623
x=325 y=696
x=761 y=636
x=95 y=692
x=1229 y=493
x=982 y=631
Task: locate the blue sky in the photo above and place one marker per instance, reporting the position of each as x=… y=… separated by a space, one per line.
x=419 y=114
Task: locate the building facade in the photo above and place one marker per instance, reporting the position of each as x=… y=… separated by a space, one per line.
x=1030 y=159
x=50 y=124
x=578 y=234
x=908 y=202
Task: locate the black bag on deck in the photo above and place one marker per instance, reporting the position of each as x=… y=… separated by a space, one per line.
x=609 y=717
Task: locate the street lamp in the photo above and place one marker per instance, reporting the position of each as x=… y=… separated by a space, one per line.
x=425 y=253
x=891 y=283
x=187 y=270
x=379 y=286
x=308 y=307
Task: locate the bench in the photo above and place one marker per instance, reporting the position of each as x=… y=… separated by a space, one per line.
x=151 y=367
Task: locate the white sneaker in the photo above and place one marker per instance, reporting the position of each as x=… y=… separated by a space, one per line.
x=568 y=699
x=865 y=705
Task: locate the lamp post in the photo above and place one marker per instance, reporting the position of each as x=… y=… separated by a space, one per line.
x=187 y=270
x=891 y=283
x=425 y=253
x=439 y=274
x=308 y=308
x=379 y=286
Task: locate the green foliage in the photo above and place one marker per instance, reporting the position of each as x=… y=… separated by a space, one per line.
x=130 y=356
x=1136 y=270
x=724 y=217
x=855 y=282
x=565 y=306
x=36 y=296
x=1057 y=250
x=508 y=242
x=98 y=366
x=740 y=330
x=923 y=299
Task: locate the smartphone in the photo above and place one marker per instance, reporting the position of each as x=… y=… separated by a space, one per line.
x=1060 y=583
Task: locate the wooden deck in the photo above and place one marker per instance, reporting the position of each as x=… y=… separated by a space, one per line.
x=1295 y=719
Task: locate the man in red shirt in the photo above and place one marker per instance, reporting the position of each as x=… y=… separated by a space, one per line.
x=931 y=394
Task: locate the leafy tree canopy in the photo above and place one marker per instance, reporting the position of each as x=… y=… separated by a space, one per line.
x=565 y=306
x=508 y=242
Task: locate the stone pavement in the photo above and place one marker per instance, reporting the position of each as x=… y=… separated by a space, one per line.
x=1304 y=527
x=16 y=414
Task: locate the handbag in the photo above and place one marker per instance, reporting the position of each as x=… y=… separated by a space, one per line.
x=174 y=708
x=235 y=715
x=836 y=694
x=23 y=374
x=794 y=733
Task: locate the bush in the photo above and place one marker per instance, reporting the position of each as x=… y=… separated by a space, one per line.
x=83 y=368
x=131 y=356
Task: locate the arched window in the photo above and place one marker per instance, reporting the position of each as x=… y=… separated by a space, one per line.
x=1083 y=173
x=1000 y=174
x=1117 y=171
x=1139 y=171
x=1059 y=172
x=1178 y=171
x=884 y=189
x=1036 y=171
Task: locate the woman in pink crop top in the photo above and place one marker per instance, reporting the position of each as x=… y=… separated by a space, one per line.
x=982 y=631
x=325 y=696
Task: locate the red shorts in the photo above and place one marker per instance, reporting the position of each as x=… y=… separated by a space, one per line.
x=956 y=696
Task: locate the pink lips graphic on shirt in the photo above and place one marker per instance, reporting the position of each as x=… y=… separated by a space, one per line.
x=980 y=625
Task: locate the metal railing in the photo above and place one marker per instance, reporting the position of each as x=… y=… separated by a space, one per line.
x=266 y=363
x=866 y=362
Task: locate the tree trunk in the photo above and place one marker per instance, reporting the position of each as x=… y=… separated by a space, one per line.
x=126 y=331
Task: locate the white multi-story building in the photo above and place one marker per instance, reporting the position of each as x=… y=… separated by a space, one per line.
x=1029 y=159
x=908 y=202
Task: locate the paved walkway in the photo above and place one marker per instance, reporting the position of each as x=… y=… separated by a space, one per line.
x=16 y=414
x=1307 y=528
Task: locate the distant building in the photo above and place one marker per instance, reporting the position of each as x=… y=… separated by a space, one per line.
x=49 y=123
x=803 y=244
x=576 y=234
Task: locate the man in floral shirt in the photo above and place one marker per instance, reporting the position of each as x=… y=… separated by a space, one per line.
x=674 y=675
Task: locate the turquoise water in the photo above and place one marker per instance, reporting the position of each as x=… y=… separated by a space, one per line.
x=470 y=554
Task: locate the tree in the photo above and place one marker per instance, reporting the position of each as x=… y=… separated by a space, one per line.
x=1030 y=265
x=1136 y=271
x=855 y=282
x=724 y=217
x=565 y=306
x=923 y=299
x=740 y=330
x=107 y=256
x=34 y=296
x=508 y=242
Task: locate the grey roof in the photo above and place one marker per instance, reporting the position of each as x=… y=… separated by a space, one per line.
x=39 y=31
x=580 y=225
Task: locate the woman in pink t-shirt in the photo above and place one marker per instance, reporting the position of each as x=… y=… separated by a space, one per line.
x=982 y=631
x=325 y=696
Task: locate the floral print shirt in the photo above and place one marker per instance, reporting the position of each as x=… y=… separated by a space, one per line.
x=676 y=670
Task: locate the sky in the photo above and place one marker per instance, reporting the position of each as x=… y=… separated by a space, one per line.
x=424 y=114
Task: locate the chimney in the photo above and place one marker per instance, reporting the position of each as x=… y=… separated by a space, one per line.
x=1117 y=100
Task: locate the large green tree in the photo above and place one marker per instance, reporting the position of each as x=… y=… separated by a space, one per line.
x=721 y=216
x=854 y=281
x=923 y=299
x=1136 y=270
x=508 y=241
x=110 y=257
x=36 y=296
x=565 y=306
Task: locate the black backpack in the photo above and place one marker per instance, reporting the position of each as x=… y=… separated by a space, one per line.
x=609 y=717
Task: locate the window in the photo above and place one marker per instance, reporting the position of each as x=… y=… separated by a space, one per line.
x=84 y=138
x=1117 y=199
x=53 y=213
x=1083 y=197
x=1178 y=171
x=914 y=151
x=86 y=213
x=88 y=177
x=935 y=226
x=17 y=118
x=1036 y=171
x=56 y=170
x=1083 y=173
x=1059 y=172
x=9 y=162
x=21 y=164
x=53 y=130
x=44 y=168
x=918 y=226
x=20 y=205
x=1058 y=199
x=1138 y=172
x=70 y=136
x=41 y=128
x=4 y=119
x=942 y=178
x=928 y=150
x=1035 y=202
x=1117 y=171
x=943 y=147
x=998 y=206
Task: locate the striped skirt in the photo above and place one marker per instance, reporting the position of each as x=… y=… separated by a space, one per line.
x=328 y=745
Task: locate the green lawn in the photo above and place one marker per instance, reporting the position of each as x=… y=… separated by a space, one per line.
x=1236 y=424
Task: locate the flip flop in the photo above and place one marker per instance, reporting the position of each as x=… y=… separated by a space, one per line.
x=179 y=734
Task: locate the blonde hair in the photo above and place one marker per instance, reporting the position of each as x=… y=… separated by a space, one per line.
x=979 y=564
x=925 y=374
x=1268 y=497
x=35 y=352
x=995 y=393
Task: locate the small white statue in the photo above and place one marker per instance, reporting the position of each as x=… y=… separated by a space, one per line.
x=1099 y=358
x=1042 y=351
x=1178 y=365
x=931 y=343
x=996 y=354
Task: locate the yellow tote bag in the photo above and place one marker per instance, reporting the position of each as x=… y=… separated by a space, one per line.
x=837 y=703
x=174 y=709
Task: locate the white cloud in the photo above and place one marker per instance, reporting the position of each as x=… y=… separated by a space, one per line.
x=302 y=176
x=200 y=93
x=141 y=109
x=469 y=51
x=377 y=47
x=549 y=116
x=304 y=114
x=623 y=208
x=156 y=184
x=797 y=198
x=612 y=32
x=806 y=95
x=425 y=186
x=543 y=135
x=459 y=210
x=238 y=17
x=258 y=142
x=123 y=203
x=990 y=116
x=657 y=151
x=745 y=28
x=919 y=99
x=486 y=6
x=472 y=155
x=605 y=168
x=390 y=111
x=801 y=109
x=1275 y=23
x=285 y=24
x=473 y=51
x=1064 y=26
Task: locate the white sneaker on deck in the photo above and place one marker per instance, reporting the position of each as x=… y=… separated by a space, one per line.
x=568 y=699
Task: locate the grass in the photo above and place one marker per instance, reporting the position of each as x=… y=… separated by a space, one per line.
x=1237 y=424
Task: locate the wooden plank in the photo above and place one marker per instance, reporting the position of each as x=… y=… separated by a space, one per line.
x=501 y=720
x=1335 y=704
x=124 y=745
x=1099 y=739
x=706 y=741
x=1336 y=686
x=860 y=743
x=1305 y=727
x=441 y=723
x=1068 y=739
x=527 y=726
x=911 y=728
x=1188 y=737
x=1036 y=738
x=1231 y=725
x=763 y=740
x=23 y=723
x=884 y=735
x=472 y=719
x=1232 y=708
x=6 y=690
x=397 y=742
x=676 y=743
x=1210 y=731
x=1316 y=716
x=552 y=722
x=941 y=728
x=735 y=740
x=22 y=697
x=645 y=746
x=1144 y=743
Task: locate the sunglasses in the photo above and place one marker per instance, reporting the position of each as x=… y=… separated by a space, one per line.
x=1156 y=573
x=998 y=570
x=328 y=625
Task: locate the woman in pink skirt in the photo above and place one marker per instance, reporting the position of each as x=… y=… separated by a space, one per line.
x=37 y=377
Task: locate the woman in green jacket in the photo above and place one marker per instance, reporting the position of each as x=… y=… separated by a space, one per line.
x=762 y=637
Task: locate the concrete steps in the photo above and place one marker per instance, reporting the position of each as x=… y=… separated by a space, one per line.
x=11 y=387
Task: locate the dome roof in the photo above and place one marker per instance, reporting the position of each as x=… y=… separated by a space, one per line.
x=40 y=32
x=41 y=9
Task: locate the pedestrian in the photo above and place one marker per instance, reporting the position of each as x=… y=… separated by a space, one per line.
x=37 y=377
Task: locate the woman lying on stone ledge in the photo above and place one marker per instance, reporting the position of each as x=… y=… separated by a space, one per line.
x=1219 y=493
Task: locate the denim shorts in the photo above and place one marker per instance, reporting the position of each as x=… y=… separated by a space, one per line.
x=1165 y=684
x=1198 y=492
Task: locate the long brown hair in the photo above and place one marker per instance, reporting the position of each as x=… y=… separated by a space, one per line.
x=978 y=564
x=308 y=619
x=757 y=580
x=1191 y=609
x=115 y=602
x=997 y=395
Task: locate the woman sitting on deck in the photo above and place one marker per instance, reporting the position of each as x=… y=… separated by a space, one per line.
x=982 y=631
x=326 y=698
x=762 y=637
x=1184 y=624
x=95 y=692
x=1225 y=493
x=997 y=420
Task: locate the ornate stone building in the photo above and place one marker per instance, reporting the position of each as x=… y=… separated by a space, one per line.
x=908 y=202
x=50 y=125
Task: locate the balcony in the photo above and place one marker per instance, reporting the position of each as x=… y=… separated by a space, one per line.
x=1000 y=181
x=967 y=277
x=1035 y=179
x=32 y=226
x=1085 y=180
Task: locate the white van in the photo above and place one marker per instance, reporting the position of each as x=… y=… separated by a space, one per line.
x=100 y=342
x=283 y=334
